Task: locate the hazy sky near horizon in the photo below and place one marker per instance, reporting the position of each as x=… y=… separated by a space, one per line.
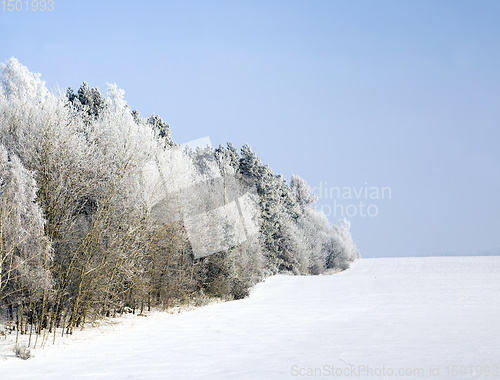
x=351 y=95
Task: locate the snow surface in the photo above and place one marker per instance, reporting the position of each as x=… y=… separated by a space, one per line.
x=397 y=313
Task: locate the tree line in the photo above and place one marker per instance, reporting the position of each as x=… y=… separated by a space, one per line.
x=81 y=237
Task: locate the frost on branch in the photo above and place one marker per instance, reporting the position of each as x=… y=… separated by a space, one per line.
x=25 y=253
x=19 y=82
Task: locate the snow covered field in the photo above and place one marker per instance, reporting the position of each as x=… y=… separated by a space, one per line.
x=416 y=317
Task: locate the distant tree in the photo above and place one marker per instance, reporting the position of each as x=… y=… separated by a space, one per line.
x=87 y=100
x=302 y=192
x=233 y=155
x=282 y=241
x=341 y=250
x=250 y=165
x=136 y=116
x=162 y=128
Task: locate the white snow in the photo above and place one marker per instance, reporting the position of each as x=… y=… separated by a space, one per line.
x=397 y=313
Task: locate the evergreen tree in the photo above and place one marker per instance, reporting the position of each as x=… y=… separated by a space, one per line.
x=87 y=100
x=282 y=241
x=162 y=128
x=233 y=155
x=341 y=250
x=250 y=165
x=137 y=117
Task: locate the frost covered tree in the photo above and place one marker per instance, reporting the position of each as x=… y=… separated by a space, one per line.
x=88 y=179
x=19 y=82
x=87 y=100
x=25 y=252
x=302 y=192
x=296 y=238
x=162 y=128
x=233 y=156
x=282 y=242
x=340 y=247
x=136 y=116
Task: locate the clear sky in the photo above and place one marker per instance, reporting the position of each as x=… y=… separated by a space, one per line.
x=347 y=94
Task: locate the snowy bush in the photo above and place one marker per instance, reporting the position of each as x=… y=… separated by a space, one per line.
x=22 y=352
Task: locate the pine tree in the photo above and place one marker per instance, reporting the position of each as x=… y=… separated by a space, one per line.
x=302 y=192
x=162 y=128
x=25 y=253
x=137 y=117
x=233 y=155
x=282 y=240
x=250 y=165
x=87 y=100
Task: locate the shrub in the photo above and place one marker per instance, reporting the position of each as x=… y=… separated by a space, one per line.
x=22 y=352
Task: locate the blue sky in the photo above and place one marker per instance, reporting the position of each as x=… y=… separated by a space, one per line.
x=351 y=94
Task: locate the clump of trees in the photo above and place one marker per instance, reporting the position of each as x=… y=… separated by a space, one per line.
x=84 y=233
